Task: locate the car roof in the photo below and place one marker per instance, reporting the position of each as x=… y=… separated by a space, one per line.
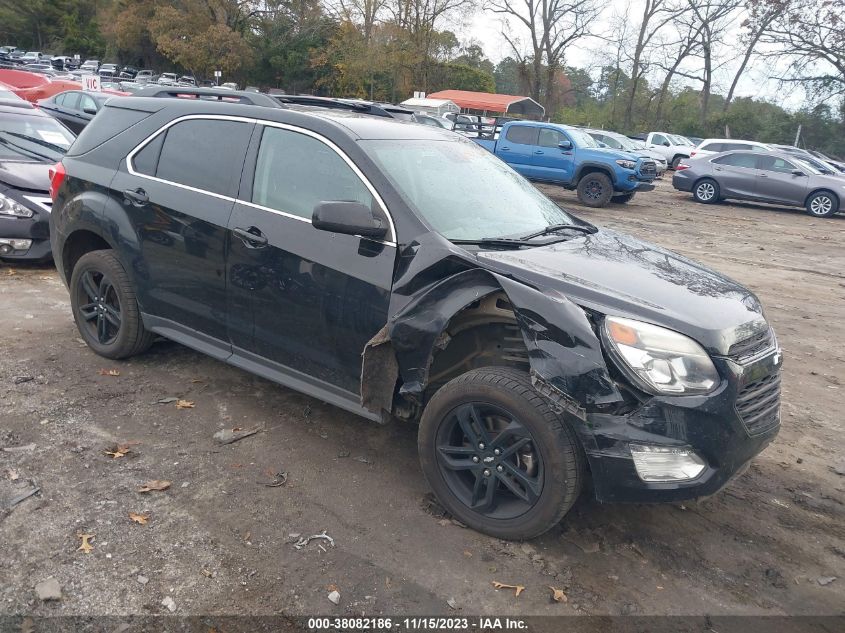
x=356 y=125
x=24 y=108
x=734 y=140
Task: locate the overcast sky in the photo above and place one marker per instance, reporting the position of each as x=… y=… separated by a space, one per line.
x=486 y=28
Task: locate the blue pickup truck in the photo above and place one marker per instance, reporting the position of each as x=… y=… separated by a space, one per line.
x=570 y=157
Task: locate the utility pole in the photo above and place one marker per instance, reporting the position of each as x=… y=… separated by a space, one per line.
x=797 y=135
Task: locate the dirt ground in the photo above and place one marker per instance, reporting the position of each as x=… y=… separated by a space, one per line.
x=221 y=541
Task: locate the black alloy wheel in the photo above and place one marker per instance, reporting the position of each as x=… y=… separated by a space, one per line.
x=489 y=460
x=595 y=189
x=497 y=457
x=99 y=306
x=105 y=308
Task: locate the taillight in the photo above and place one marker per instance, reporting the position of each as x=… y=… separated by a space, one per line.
x=681 y=167
x=57 y=177
x=692 y=153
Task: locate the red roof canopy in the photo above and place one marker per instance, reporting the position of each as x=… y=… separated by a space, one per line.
x=490 y=102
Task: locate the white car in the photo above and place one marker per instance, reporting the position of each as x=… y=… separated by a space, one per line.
x=672 y=147
x=716 y=145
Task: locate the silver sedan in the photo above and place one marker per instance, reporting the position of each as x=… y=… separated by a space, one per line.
x=774 y=177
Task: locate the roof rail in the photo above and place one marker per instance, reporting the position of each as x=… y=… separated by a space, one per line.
x=209 y=94
x=364 y=107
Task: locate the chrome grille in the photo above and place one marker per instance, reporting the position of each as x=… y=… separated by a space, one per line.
x=758 y=404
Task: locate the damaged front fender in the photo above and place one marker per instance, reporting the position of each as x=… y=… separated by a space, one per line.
x=565 y=355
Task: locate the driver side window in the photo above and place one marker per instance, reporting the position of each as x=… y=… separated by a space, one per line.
x=295 y=172
x=773 y=163
x=550 y=137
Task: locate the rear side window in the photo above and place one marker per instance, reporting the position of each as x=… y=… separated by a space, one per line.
x=295 y=172
x=59 y=99
x=71 y=100
x=714 y=147
x=146 y=161
x=738 y=160
x=522 y=134
x=206 y=154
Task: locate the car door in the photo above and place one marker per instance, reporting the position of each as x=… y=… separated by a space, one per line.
x=178 y=188
x=67 y=111
x=303 y=301
x=776 y=181
x=550 y=161
x=517 y=148
x=736 y=174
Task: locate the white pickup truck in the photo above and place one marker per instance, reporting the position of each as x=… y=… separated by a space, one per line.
x=671 y=146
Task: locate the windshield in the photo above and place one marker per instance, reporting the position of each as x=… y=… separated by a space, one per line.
x=463 y=191
x=621 y=142
x=581 y=138
x=34 y=138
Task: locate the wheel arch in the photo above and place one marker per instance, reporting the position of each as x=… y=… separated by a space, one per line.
x=77 y=243
x=836 y=196
x=591 y=168
x=560 y=344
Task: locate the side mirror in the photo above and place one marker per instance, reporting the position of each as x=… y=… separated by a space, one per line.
x=89 y=110
x=565 y=145
x=348 y=218
x=666 y=143
x=798 y=172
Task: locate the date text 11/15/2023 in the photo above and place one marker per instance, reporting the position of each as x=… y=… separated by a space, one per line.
x=416 y=624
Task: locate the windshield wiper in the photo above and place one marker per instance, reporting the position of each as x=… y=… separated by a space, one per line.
x=554 y=228
x=39 y=141
x=21 y=148
x=493 y=241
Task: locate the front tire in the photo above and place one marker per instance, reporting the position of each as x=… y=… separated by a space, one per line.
x=105 y=308
x=706 y=191
x=595 y=189
x=822 y=204
x=623 y=198
x=496 y=455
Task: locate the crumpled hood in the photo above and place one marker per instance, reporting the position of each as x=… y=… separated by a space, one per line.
x=617 y=274
x=25 y=175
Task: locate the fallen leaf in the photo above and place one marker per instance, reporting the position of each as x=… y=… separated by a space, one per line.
x=184 y=404
x=206 y=573
x=119 y=451
x=558 y=595
x=86 y=542
x=109 y=372
x=154 y=484
x=196 y=380
x=500 y=585
x=13 y=474
x=139 y=518
x=467 y=553
x=11 y=272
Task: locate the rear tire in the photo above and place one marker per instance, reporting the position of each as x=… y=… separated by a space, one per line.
x=535 y=477
x=623 y=198
x=595 y=189
x=105 y=308
x=822 y=204
x=706 y=191
x=676 y=161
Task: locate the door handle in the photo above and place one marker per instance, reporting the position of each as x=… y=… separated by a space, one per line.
x=137 y=197
x=539 y=151
x=763 y=175
x=717 y=169
x=251 y=237
x=505 y=148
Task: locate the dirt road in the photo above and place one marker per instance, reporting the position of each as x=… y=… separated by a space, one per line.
x=221 y=541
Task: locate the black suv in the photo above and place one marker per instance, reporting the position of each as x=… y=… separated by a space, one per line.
x=344 y=255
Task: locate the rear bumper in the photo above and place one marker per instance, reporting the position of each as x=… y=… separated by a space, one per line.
x=709 y=425
x=681 y=181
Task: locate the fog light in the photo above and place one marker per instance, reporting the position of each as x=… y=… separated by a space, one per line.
x=7 y=245
x=660 y=463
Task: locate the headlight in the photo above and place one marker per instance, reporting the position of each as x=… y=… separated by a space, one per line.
x=10 y=207
x=626 y=164
x=660 y=360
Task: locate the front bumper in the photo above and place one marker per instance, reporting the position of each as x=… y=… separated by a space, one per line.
x=36 y=228
x=711 y=425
